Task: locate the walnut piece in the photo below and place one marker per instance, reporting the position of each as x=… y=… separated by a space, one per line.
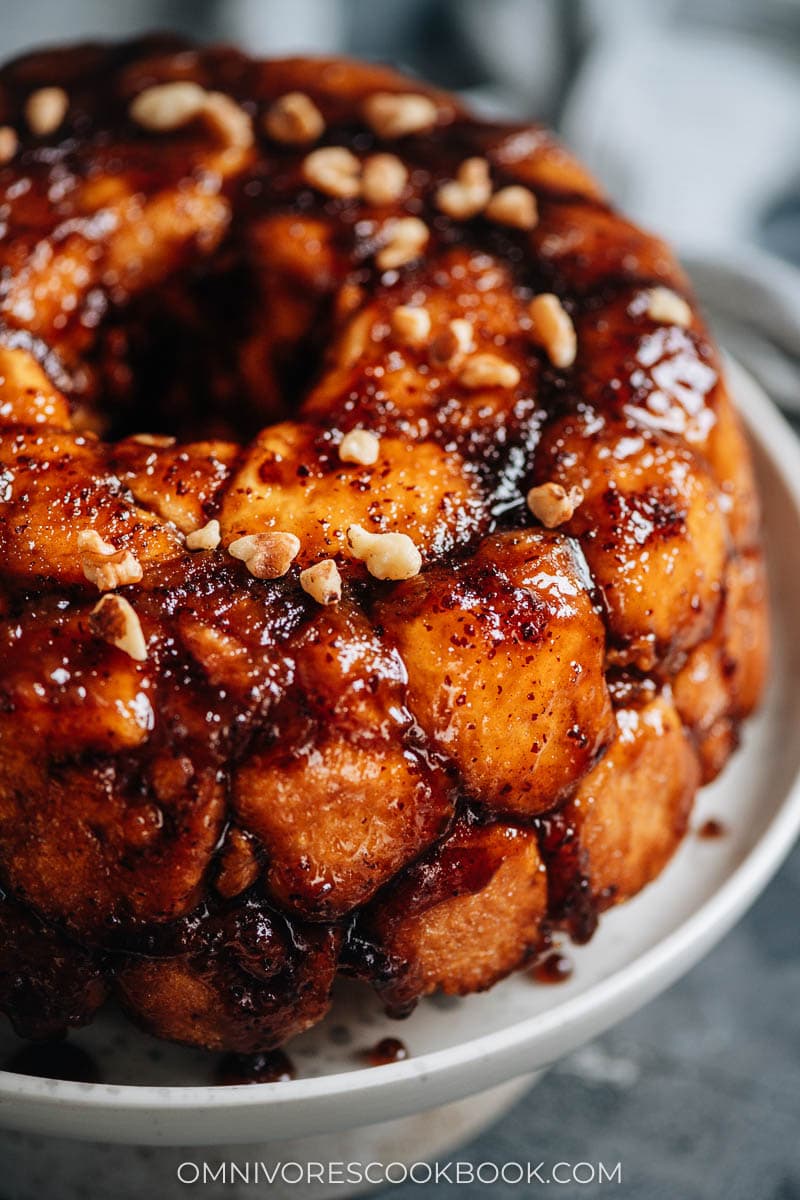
x=160 y=440
x=386 y=555
x=552 y=328
x=514 y=206
x=115 y=621
x=360 y=446
x=266 y=555
x=167 y=106
x=9 y=143
x=334 y=171
x=294 y=120
x=104 y=565
x=383 y=179
x=468 y=194
x=488 y=370
x=552 y=504
x=45 y=109
x=228 y=120
x=449 y=347
x=394 y=114
x=322 y=582
x=205 y=538
x=406 y=238
x=668 y=308
x=411 y=324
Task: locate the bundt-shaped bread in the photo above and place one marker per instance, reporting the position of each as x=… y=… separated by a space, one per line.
x=379 y=554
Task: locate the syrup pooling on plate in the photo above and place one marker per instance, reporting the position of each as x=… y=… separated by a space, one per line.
x=379 y=560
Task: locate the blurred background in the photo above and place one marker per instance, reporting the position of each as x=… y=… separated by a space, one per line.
x=689 y=111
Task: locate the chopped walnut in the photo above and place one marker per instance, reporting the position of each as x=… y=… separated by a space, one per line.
x=334 y=171
x=45 y=109
x=294 y=120
x=205 y=538
x=514 y=206
x=228 y=120
x=552 y=328
x=411 y=324
x=394 y=114
x=383 y=179
x=266 y=555
x=386 y=555
x=160 y=440
x=115 y=621
x=488 y=370
x=449 y=347
x=9 y=143
x=468 y=194
x=552 y=504
x=323 y=582
x=406 y=238
x=668 y=308
x=167 y=106
x=360 y=446
x=104 y=565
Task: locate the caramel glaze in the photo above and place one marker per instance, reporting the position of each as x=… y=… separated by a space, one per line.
x=278 y=791
x=553 y=967
x=272 y=1067
x=387 y=1050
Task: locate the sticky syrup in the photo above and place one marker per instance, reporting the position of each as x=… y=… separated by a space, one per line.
x=712 y=829
x=271 y=1067
x=553 y=968
x=387 y=1050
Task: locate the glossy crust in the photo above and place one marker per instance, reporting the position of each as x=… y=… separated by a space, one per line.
x=424 y=780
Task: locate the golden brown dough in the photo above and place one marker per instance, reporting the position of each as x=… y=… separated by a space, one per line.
x=379 y=545
x=463 y=917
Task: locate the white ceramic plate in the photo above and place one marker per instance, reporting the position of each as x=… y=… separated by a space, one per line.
x=162 y=1094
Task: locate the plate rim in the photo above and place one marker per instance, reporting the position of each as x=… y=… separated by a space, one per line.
x=599 y=1006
